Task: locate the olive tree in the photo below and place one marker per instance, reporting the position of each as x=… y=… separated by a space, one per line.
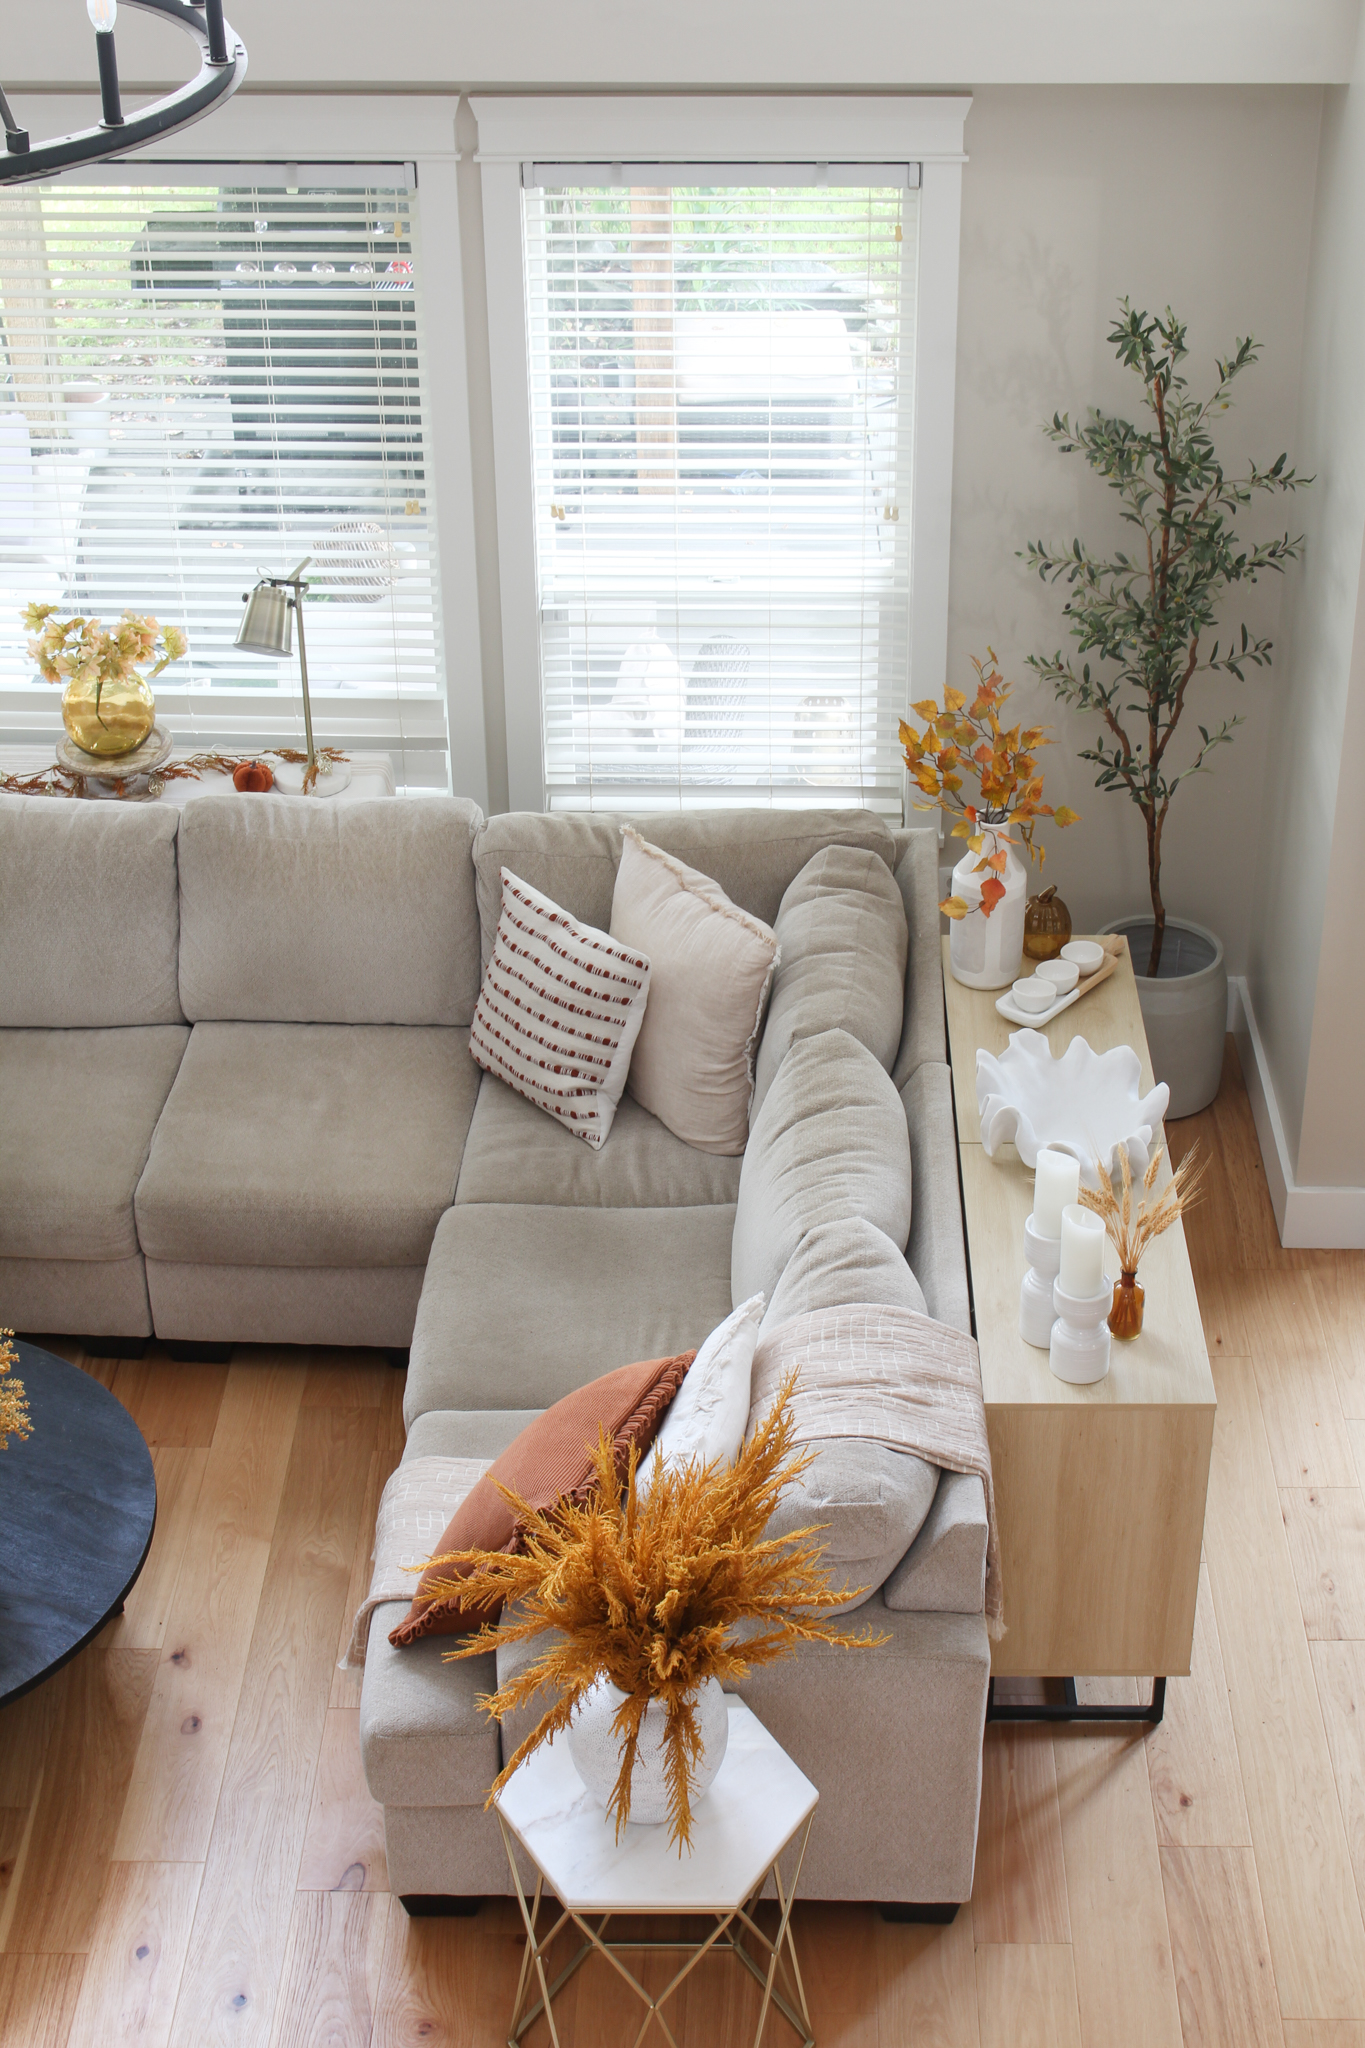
x=1146 y=616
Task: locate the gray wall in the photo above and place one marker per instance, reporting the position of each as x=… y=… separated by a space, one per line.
x=1305 y=961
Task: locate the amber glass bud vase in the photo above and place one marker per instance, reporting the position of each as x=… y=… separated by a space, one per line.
x=1125 y=1317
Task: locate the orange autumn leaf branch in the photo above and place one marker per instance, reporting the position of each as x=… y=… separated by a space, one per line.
x=965 y=740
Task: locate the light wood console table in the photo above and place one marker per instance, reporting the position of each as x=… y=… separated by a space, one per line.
x=1099 y=1490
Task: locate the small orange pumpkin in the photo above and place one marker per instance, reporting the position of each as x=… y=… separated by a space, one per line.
x=253 y=775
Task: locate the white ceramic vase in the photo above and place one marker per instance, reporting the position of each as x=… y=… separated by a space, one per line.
x=987 y=952
x=596 y=1748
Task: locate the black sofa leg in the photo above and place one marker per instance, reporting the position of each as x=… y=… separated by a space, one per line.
x=185 y=1352
x=115 y=1347
x=921 y=1916
x=438 y=1906
x=398 y=1358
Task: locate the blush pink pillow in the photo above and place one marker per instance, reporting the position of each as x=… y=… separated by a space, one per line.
x=711 y=970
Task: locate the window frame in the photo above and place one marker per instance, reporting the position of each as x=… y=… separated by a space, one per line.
x=516 y=134
x=284 y=130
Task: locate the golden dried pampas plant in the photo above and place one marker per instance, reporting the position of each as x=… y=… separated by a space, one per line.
x=649 y=1592
x=1132 y=1229
x=14 y=1415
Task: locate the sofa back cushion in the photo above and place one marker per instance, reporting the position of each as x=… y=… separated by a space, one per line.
x=842 y=936
x=310 y=910
x=839 y=1263
x=869 y=1499
x=89 y=917
x=829 y=1144
x=753 y=855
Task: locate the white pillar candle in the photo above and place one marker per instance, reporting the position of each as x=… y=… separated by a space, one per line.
x=1057 y=1181
x=1082 y=1273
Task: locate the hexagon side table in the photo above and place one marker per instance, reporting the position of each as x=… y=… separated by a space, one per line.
x=759 y=1807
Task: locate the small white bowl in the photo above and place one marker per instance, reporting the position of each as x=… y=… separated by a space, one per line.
x=1034 y=994
x=1064 y=974
x=1088 y=956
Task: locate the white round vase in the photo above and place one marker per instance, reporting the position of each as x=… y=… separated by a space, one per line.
x=596 y=1748
x=987 y=952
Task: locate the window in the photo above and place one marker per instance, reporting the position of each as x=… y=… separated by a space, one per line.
x=720 y=365
x=214 y=372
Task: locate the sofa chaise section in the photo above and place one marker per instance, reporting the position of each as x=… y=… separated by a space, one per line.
x=329 y=964
x=523 y=1303
x=91 y=1038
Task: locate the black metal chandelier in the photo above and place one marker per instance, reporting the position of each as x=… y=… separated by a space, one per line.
x=222 y=67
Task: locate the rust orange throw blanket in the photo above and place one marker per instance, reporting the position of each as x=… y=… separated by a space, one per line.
x=891 y=1377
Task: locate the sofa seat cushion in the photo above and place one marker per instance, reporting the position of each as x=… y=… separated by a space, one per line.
x=308 y=1145
x=77 y=1110
x=829 y=1144
x=515 y=1153
x=523 y=1303
x=467 y=1432
x=844 y=939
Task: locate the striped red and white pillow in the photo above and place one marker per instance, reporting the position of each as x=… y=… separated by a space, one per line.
x=559 y=1011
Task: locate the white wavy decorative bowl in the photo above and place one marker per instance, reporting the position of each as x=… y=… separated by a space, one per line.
x=1086 y=1103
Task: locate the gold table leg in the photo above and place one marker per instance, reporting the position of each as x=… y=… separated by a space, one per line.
x=781 y=1953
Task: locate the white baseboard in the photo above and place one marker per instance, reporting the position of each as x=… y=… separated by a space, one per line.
x=1326 y=1219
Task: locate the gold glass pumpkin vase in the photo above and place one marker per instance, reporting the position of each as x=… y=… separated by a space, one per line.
x=1047 y=926
x=111 y=720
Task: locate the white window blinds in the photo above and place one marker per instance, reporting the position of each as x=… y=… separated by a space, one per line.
x=207 y=378
x=721 y=378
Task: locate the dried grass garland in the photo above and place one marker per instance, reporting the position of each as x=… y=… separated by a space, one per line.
x=59 y=781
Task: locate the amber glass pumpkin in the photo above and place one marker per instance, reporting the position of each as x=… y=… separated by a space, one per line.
x=1047 y=926
x=111 y=723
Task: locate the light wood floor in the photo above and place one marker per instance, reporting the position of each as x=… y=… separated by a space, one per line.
x=189 y=1856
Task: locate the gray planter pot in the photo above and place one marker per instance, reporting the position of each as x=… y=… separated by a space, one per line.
x=1184 y=1010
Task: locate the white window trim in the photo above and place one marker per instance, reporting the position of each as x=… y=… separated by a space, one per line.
x=417 y=128
x=685 y=129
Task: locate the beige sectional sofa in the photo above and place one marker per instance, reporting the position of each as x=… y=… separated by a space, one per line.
x=238 y=1106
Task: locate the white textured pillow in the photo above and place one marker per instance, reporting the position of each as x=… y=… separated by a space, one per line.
x=712 y=967
x=559 y=1011
x=707 y=1416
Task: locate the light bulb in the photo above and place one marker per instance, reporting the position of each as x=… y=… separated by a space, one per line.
x=103 y=14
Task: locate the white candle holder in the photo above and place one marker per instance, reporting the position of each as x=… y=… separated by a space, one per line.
x=1079 y=1352
x=1036 y=1312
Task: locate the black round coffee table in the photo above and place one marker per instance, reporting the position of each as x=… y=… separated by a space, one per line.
x=77 y=1510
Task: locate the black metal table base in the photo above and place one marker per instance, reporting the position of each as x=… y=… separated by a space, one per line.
x=1069 y=1708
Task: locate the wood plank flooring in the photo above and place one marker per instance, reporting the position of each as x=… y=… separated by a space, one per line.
x=189 y=1854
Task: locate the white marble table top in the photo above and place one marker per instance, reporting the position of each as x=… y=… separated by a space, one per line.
x=756 y=1804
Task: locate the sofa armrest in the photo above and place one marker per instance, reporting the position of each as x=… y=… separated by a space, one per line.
x=923 y=1032
x=424 y=1740
x=944 y=1570
x=937 y=1250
